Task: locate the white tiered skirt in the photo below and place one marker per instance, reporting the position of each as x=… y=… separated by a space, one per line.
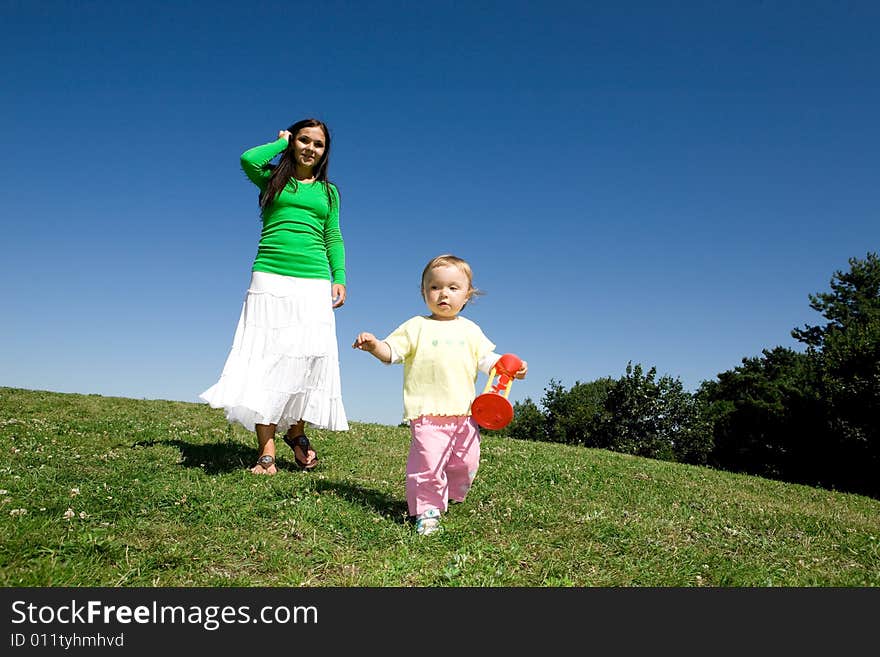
x=284 y=361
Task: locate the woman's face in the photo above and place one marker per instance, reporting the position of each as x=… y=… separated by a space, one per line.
x=309 y=145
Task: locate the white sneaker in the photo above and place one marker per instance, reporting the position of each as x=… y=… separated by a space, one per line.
x=428 y=522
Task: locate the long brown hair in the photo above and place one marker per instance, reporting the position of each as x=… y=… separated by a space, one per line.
x=283 y=172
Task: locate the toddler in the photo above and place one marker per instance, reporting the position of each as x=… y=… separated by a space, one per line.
x=442 y=354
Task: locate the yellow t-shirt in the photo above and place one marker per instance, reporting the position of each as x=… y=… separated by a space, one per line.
x=441 y=360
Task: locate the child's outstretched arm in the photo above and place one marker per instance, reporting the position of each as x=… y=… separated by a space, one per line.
x=369 y=343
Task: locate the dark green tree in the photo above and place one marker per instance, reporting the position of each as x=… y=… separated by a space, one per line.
x=766 y=418
x=573 y=415
x=846 y=351
x=528 y=422
x=653 y=417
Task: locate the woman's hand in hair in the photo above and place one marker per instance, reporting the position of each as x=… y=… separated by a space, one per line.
x=285 y=135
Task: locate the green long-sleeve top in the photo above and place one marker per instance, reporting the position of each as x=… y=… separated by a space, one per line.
x=301 y=235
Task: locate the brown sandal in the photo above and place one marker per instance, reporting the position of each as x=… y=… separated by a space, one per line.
x=303 y=443
x=265 y=462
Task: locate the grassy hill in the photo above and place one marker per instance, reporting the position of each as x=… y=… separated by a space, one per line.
x=102 y=491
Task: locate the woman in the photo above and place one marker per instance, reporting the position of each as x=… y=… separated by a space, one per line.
x=283 y=368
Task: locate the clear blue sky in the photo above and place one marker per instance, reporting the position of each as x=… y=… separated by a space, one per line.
x=661 y=183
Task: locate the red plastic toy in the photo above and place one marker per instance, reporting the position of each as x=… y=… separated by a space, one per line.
x=491 y=409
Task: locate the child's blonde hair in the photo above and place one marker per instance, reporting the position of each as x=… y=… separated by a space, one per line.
x=448 y=259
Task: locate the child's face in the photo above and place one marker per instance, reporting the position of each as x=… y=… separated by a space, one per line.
x=446 y=291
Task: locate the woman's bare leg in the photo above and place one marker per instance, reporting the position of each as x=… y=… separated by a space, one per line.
x=299 y=429
x=266 y=440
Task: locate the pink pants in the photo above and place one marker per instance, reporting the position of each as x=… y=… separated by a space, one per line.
x=443 y=460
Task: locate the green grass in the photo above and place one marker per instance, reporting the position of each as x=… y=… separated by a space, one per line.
x=101 y=491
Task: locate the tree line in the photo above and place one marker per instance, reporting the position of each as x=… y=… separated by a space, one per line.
x=810 y=416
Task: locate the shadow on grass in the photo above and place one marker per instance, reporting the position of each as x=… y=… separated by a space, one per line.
x=224 y=457
x=383 y=504
x=216 y=458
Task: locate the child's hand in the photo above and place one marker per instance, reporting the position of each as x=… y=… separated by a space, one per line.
x=365 y=342
x=368 y=342
x=521 y=372
x=284 y=134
